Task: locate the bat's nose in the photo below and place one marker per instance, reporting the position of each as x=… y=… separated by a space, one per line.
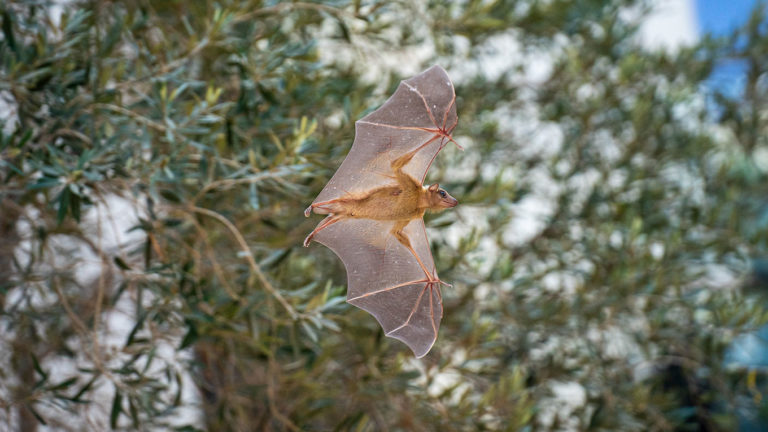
x=452 y=202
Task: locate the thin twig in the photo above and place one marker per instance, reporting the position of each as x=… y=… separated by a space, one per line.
x=72 y=133
x=281 y=7
x=129 y=113
x=170 y=66
x=101 y=285
x=228 y=183
x=249 y=257
x=215 y=264
x=271 y=377
x=82 y=330
x=80 y=326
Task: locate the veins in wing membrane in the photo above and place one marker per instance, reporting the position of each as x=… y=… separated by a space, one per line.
x=413 y=311
x=379 y=291
x=442 y=130
x=428 y=285
x=429 y=111
x=438 y=130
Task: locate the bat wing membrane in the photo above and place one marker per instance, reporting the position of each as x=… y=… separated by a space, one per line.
x=385 y=280
x=420 y=107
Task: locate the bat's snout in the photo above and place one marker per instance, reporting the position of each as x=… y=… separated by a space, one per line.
x=443 y=200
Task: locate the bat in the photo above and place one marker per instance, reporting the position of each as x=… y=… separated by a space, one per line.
x=375 y=203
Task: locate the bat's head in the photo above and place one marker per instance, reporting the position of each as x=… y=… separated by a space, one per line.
x=439 y=199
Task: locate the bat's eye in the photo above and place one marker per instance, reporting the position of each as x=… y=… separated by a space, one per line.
x=442 y=193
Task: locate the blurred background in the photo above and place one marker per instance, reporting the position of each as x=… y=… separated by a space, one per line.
x=608 y=259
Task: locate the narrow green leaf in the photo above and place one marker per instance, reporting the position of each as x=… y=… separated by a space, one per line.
x=64 y=384
x=134 y=412
x=190 y=337
x=309 y=331
x=44 y=183
x=8 y=31
x=179 y=389
x=136 y=328
x=120 y=263
x=74 y=206
x=38 y=368
x=85 y=388
x=36 y=414
x=116 y=408
x=63 y=205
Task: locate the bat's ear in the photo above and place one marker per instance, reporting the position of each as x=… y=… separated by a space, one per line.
x=434 y=187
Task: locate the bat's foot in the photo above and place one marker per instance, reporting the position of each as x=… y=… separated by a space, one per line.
x=327 y=207
x=330 y=220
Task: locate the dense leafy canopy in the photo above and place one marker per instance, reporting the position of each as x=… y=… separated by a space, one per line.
x=156 y=157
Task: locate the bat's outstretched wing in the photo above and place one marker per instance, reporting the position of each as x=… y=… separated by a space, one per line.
x=385 y=279
x=422 y=110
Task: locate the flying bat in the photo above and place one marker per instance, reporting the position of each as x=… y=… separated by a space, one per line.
x=375 y=203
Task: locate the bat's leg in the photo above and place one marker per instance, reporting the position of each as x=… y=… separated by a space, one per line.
x=330 y=220
x=332 y=203
x=397 y=231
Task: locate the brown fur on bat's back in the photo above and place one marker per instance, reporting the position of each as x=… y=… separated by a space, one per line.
x=401 y=202
x=395 y=202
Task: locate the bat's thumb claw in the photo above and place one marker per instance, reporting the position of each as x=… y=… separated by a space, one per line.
x=307 y=211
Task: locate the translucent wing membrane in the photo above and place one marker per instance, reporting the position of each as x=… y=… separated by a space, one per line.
x=385 y=279
x=402 y=124
x=424 y=101
x=367 y=167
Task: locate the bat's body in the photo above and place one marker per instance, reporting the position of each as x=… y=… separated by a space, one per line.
x=396 y=202
x=375 y=204
x=402 y=202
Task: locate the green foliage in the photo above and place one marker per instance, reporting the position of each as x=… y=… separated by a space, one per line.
x=602 y=258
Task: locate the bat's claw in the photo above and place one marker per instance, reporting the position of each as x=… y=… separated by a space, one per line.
x=307 y=211
x=308 y=240
x=444 y=283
